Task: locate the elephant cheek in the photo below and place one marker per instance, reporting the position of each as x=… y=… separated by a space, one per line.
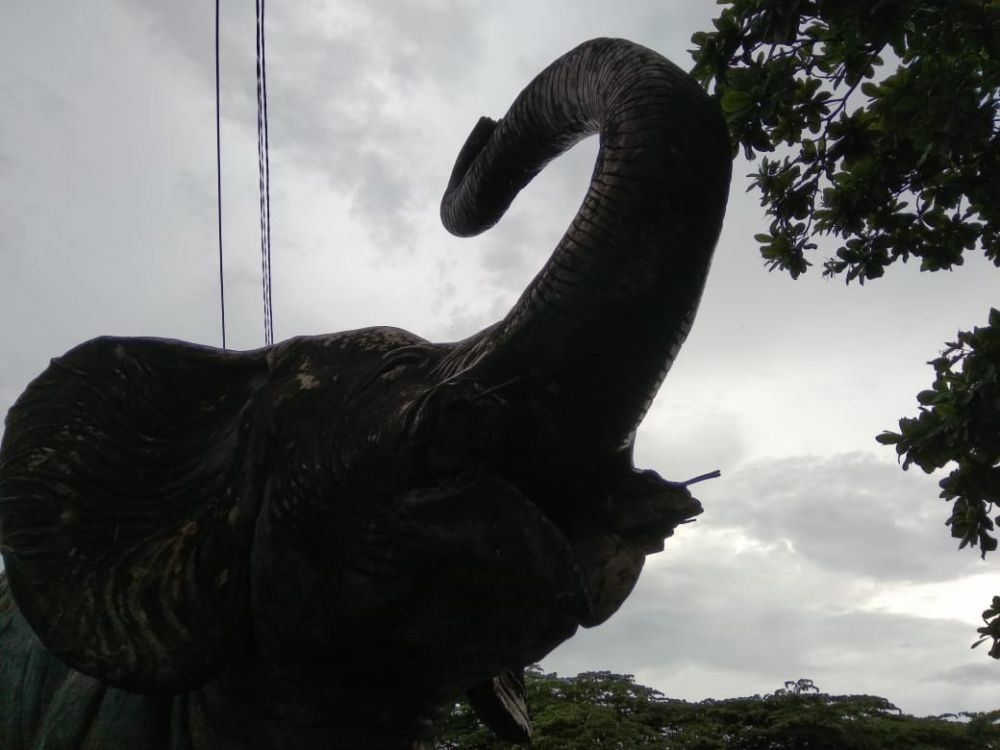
x=611 y=568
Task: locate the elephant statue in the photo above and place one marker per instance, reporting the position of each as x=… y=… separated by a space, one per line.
x=322 y=542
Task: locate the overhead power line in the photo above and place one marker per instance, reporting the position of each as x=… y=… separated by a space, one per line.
x=218 y=175
x=264 y=175
x=264 y=170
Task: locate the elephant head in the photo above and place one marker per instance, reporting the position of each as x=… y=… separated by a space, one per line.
x=367 y=516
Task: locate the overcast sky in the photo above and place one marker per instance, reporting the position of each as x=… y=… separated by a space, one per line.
x=816 y=556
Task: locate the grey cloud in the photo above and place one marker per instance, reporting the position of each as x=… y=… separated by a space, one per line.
x=196 y=195
x=848 y=513
x=968 y=674
x=712 y=616
x=681 y=440
x=775 y=582
x=337 y=89
x=767 y=642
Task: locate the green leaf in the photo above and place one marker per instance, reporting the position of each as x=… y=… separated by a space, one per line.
x=736 y=100
x=928 y=397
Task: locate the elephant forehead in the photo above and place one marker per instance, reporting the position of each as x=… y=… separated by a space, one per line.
x=339 y=349
x=343 y=380
x=316 y=362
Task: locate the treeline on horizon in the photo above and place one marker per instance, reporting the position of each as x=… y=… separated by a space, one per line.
x=608 y=710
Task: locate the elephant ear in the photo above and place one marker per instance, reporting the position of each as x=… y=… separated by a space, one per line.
x=127 y=506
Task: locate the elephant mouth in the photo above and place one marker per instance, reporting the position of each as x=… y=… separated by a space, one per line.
x=506 y=493
x=610 y=543
x=580 y=566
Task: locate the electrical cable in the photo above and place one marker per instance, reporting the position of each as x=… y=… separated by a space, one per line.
x=218 y=176
x=264 y=173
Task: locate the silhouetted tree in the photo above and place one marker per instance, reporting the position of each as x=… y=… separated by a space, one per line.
x=607 y=710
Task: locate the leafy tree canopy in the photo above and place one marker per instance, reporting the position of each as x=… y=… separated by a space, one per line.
x=607 y=710
x=893 y=165
x=881 y=125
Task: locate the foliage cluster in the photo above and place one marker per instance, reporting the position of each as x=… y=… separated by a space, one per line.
x=903 y=165
x=606 y=710
x=959 y=422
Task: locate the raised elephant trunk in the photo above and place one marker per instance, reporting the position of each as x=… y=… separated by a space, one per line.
x=320 y=543
x=598 y=328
